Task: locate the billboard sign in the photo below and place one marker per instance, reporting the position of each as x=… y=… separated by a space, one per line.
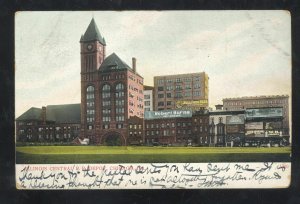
x=167 y=114
x=254 y=126
x=273 y=125
x=233 y=129
x=263 y=113
x=235 y=120
x=255 y=133
x=193 y=104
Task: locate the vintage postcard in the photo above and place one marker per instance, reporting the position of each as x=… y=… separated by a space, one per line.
x=153 y=99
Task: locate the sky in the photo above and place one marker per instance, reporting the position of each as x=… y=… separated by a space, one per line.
x=244 y=53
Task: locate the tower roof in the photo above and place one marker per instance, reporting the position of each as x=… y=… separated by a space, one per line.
x=113 y=62
x=92 y=33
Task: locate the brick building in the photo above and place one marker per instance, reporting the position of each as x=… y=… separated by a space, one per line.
x=54 y=123
x=111 y=91
x=181 y=91
x=176 y=127
x=261 y=102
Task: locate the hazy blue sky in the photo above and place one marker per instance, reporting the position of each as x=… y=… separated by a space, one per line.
x=244 y=53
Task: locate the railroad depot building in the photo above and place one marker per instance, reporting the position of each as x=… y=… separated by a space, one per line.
x=111 y=91
x=53 y=123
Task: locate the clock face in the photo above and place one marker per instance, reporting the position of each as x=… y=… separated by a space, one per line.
x=89 y=47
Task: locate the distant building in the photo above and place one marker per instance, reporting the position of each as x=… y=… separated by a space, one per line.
x=264 y=126
x=219 y=129
x=148 y=98
x=200 y=127
x=54 y=123
x=181 y=91
x=241 y=103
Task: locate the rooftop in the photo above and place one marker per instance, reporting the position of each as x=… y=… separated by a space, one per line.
x=67 y=113
x=257 y=97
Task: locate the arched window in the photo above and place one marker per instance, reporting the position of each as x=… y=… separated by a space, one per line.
x=106 y=91
x=119 y=87
x=90 y=104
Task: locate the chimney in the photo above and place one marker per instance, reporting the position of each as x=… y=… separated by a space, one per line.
x=44 y=115
x=134 y=64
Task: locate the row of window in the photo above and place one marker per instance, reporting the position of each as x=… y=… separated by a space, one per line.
x=117 y=76
x=167 y=132
x=254 y=102
x=162 y=103
x=185 y=79
x=179 y=87
x=163 y=125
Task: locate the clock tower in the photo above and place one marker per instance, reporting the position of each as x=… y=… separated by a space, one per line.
x=92 y=51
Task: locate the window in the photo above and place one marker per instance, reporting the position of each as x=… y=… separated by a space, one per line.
x=160 y=95
x=188 y=86
x=120 y=90
x=178 y=95
x=106 y=87
x=220 y=120
x=147 y=96
x=105 y=126
x=161 y=103
x=178 y=87
x=187 y=94
x=169 y=95
x=169 y=88
x=120 y=118
x=197 y=93
x=178 y=80
x=90 y=109
x=160 y=81
x=197 y=78
x=106 y=118
x=169 y=103
x=197 y=86
x=147 y=103
x=119 y=126
x=160 y=88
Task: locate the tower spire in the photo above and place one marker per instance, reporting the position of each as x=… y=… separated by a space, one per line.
x=92 y=33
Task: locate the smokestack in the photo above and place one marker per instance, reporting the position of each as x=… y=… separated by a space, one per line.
x=44 y=115
x=134 y=64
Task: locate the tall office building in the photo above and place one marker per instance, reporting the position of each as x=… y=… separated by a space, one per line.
x=181 y=91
